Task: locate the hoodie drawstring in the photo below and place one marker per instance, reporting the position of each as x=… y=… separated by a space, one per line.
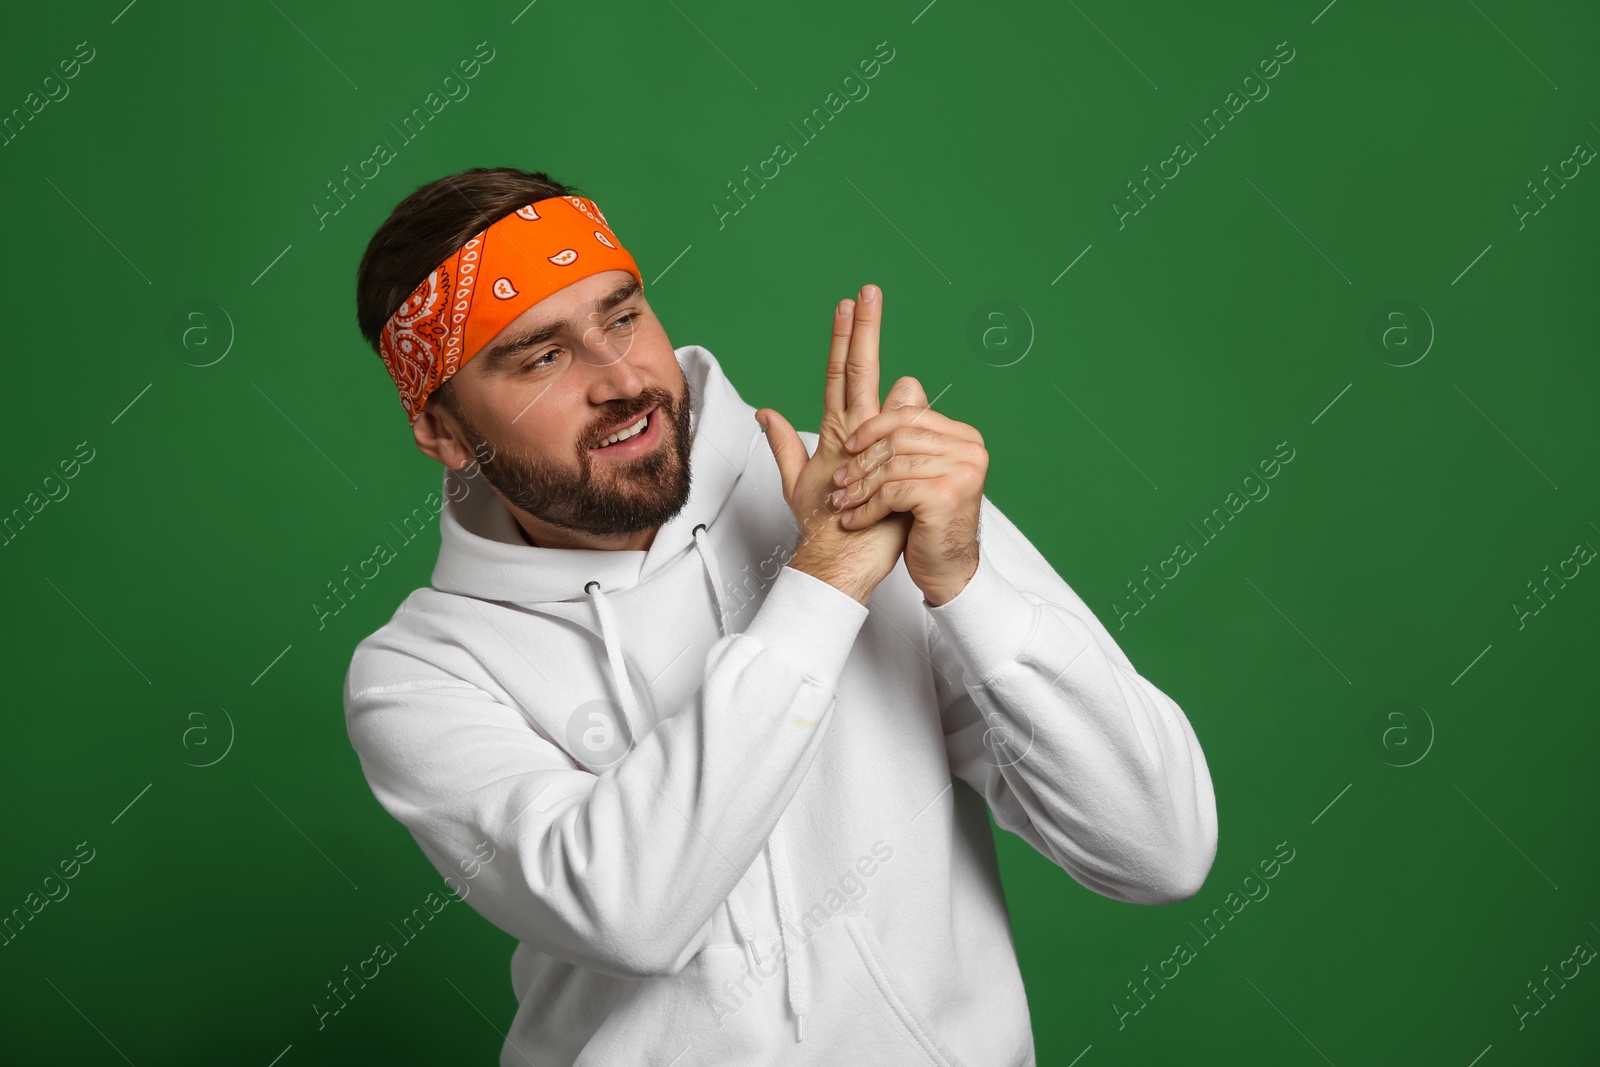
x=619 y=670
x=702 y=541
x=797 y=973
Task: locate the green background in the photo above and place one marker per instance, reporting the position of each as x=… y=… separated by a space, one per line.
x=159 y=616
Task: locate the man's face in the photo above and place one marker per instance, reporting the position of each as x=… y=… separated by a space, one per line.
x=553 y=385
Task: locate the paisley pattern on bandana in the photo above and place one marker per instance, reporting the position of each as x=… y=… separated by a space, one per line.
x=537 y=250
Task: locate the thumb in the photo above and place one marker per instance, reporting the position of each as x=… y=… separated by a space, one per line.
x=787 y=448
x=906 y=392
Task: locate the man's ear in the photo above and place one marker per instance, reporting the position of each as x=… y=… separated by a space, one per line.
x=440 y=435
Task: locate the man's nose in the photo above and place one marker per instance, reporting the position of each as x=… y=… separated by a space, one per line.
x=605 y=360
x=600 y=350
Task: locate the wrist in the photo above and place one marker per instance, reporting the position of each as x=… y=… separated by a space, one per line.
x=830 y=570
x=940 y=593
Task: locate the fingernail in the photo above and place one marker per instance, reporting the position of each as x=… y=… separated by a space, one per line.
x=836 y=497
x=850 y=443
x=839 y=476
x=869 y=293
x=844 y=307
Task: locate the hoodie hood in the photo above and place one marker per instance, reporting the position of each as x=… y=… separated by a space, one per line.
x=482 y=552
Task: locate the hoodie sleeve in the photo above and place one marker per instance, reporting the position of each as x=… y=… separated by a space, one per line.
x=1074 y=751
x=619 y=872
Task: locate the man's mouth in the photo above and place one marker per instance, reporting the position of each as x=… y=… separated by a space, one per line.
x=637 y=436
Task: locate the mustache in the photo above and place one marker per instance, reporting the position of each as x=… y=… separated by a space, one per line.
x=661 y=402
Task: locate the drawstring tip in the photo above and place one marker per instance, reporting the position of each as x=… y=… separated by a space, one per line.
x=752 y=954
x=799 y=1027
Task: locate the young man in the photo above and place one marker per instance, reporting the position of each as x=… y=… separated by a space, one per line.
x=712 y=746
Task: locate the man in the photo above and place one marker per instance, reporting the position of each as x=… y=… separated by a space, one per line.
x=712 y=746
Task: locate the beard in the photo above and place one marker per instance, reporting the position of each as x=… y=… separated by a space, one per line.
x=628 y=496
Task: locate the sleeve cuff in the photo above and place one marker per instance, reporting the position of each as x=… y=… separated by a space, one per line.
x=988 y=623
x=809 y=623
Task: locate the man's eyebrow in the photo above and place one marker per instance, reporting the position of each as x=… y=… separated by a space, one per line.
x=504 y=351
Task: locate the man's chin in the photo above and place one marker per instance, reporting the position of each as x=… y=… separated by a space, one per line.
x=630 y=499
x=606 y=497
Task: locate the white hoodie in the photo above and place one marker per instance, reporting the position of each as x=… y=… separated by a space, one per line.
x=735 y=817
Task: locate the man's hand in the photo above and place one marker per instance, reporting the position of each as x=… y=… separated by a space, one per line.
x=853 y=560
x=910 y=458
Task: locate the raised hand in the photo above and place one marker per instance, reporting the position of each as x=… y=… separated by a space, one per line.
x=910 y=459
x=853 y=560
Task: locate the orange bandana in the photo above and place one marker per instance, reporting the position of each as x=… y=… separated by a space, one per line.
x=468 y=299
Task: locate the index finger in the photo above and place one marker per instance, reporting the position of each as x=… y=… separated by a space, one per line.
x=833 y=399
x=861 y=365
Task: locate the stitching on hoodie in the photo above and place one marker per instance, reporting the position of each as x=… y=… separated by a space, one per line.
x=806 y=677
x=1033 y=631
x=902 y=1010
x=413 y=686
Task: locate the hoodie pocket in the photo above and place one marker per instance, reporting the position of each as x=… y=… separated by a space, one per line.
x=893 y=991
x=685 y=1018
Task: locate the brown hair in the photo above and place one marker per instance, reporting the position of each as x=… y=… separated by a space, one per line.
x=427 y=227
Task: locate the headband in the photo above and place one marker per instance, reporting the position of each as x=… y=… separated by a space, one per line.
x=536 y=250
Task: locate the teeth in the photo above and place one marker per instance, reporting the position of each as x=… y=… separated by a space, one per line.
x=631 y=431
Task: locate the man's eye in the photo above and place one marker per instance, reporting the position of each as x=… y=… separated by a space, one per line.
x=630 y=319
x=535 y=364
